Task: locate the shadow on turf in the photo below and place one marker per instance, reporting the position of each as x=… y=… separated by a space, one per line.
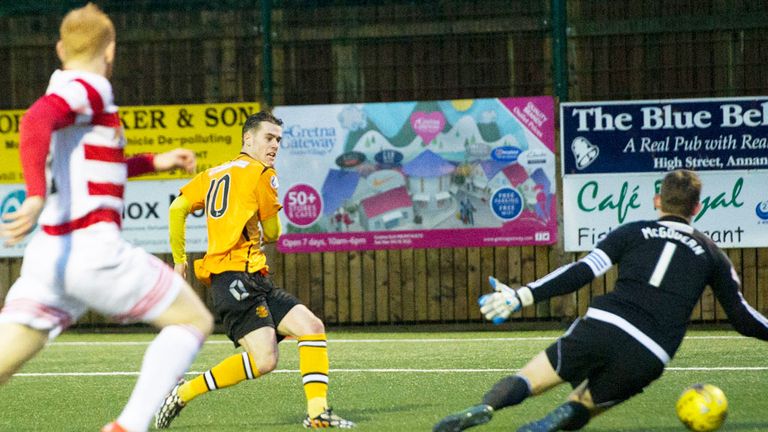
x=727 y=427
x=358 y=415
x=362 y=415
x=744 y=426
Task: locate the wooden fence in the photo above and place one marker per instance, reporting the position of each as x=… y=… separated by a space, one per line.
x=390 y=287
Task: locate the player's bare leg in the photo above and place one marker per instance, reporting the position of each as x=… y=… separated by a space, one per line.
x=582 y=395
x=534 y=378
x=314 y=366
x=184 y=326
x=260 y=357
x=261 y=345
x=186 y=309
x=18 y=343
x=540 y=374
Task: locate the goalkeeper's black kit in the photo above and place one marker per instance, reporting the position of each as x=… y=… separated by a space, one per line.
x=664 y=266
x=626 y=338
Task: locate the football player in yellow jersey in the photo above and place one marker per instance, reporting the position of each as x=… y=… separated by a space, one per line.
x=241 y=205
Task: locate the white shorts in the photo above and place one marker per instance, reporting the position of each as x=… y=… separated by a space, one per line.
x=63 y=276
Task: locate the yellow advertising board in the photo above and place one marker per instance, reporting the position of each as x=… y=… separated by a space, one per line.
x=212 y=131
x=10 y=167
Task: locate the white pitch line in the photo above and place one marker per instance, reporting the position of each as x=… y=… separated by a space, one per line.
x=375 y=370
x=719 y=368
x=334 y=341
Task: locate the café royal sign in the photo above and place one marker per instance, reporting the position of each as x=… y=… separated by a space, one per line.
x=614 y=155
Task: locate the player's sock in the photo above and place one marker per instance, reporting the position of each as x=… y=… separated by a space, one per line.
x=165 y=361
x=579 y=418
x=232 y=370
x=313 y=365
x=508 y=391
x=568 y=416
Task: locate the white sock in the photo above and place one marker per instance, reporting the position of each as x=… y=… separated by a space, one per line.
x=165 y=361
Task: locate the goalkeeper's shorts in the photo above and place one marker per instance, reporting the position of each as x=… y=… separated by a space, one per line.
x=616 y=364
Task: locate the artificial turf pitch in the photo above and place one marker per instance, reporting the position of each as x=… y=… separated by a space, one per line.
x=403 y=381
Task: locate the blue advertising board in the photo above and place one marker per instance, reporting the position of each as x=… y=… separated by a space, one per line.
x=663 y=135
x=614 y=155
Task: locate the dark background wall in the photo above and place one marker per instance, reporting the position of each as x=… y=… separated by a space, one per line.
x=194 y=51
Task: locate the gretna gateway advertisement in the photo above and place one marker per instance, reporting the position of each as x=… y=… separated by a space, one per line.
x=614 y=155
x=417 y=175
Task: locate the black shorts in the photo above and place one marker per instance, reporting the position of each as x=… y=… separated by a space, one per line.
x=616 y=364
x=245 y=302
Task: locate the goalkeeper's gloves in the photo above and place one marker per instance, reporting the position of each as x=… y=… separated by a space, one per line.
x=499 y=305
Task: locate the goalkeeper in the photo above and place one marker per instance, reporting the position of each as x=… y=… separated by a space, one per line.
x=627 y=336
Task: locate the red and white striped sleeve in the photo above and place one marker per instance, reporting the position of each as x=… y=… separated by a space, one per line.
x=46 y=115
x=140 y=164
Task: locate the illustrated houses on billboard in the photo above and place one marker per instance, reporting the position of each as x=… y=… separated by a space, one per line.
x=481 y=175
x=429 y=181
x=338 y=188
x=384 y=201
x=387 y=210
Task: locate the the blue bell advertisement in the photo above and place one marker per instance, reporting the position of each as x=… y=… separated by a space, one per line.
x=614 y=155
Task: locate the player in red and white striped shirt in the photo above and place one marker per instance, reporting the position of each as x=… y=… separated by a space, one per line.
x=75 y=172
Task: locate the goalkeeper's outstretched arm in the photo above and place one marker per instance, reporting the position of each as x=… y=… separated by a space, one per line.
x=571 y=277
x=504 y=301
x=726 y=285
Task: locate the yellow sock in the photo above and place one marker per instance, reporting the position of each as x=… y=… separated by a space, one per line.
x=232 y=370
x=313 y=364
